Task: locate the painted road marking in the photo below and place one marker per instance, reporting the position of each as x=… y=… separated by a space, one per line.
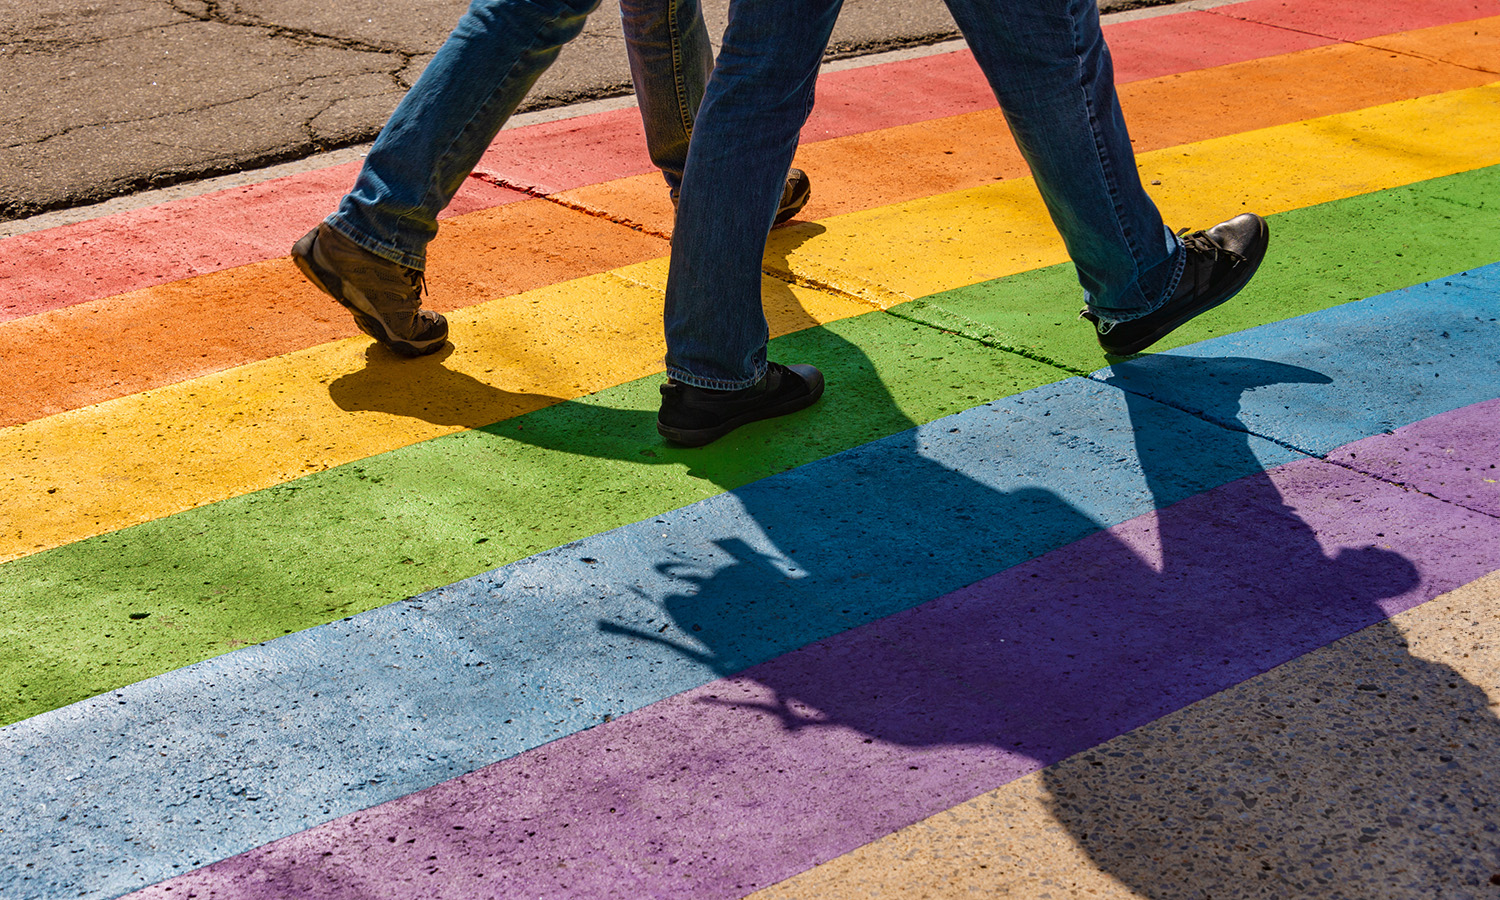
x=817 y=752
x=92 y=352
x=392 y=526
x=819 y=551
x=264 y=433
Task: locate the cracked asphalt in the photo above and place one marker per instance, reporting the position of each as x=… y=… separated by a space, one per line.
x=108 y=98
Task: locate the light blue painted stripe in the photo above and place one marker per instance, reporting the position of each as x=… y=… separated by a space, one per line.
x=1388 y=356
x=270 y=740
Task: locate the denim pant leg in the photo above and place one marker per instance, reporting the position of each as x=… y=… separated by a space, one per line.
x=472 y=86
x=1050 y=69
x=743 y=141
x=440 y=129
x=670 y=61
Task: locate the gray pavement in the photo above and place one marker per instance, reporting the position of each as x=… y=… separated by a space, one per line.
x=109 y=98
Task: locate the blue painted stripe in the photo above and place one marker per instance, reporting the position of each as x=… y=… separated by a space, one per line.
x=1385 y=357
x=270 y=740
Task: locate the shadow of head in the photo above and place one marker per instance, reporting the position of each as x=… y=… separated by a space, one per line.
x=1356 y=771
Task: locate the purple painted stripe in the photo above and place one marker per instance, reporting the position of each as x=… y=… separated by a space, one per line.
x=1454 y=456
x=721 y=790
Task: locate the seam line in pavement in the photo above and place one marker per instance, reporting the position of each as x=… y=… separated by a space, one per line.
x=535 y=193
x=1367 y=43
x=1407 y=487
x=1320 y=457
x=1411 y=54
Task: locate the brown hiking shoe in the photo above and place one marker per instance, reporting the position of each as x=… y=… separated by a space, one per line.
x=794 y=195
x=385 y=297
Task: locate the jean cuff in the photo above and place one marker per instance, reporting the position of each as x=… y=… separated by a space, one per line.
x=1179 y=265
x=343 y=226
x=681 y=376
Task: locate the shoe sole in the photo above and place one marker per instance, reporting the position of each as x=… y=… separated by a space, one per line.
x=699 y=437
x=1262 y=242
x=331 y=285
x=794 y=204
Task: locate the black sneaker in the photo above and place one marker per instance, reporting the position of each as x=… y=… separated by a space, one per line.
x=794 y=195
x=385 y=297
x=696 y=416
x=1220 y=262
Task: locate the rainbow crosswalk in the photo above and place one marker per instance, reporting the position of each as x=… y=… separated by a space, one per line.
x=285 y=616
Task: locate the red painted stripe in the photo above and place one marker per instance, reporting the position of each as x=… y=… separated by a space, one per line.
x=111 y=255
x=171 y=241
x=1340 y=20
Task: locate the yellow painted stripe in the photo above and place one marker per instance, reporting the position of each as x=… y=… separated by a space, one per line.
x=94 y=470
x=898 y=253
x=1264 y=789
x=148 y=455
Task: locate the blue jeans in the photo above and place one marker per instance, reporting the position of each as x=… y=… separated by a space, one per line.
x=475 y=82
x=1048 y=65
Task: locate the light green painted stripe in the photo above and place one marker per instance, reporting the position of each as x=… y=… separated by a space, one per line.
x=365 y=534
x=1320 y=257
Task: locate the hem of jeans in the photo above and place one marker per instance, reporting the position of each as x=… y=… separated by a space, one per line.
x=682 y=376
x=1178 y=268
x=391 y=254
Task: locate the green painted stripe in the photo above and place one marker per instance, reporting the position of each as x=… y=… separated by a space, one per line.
x=369 y=533
x=1320 y=257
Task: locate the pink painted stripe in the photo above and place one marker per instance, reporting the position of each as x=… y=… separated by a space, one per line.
x=76 y=263
x=62 y=266
x=1340 y=20
x=721 y=790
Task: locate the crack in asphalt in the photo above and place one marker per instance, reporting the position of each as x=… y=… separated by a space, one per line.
x=213 y=12
x=256 y=95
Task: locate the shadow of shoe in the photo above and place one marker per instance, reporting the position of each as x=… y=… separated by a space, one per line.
x=424 y=388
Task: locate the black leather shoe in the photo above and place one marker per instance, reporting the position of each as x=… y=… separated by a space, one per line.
x=1219 y=263
x=694 y=416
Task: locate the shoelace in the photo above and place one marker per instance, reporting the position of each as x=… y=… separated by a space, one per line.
x=1201 y=242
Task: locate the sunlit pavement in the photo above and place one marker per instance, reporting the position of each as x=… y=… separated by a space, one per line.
x=289 y=616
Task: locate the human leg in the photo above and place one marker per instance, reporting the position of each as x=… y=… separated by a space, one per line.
x=743 y=142
x=370 y=253
x=446 y=121
x=1049 y=66
x=1050 y=69
x=670 y=61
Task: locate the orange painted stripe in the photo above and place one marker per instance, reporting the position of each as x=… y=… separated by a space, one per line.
x=108 y=348
x=195 y=236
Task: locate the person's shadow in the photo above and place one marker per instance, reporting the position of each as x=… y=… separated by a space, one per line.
x=1358 y=772
x=426 y=389
x=1293 y=791
x=1063 y=652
